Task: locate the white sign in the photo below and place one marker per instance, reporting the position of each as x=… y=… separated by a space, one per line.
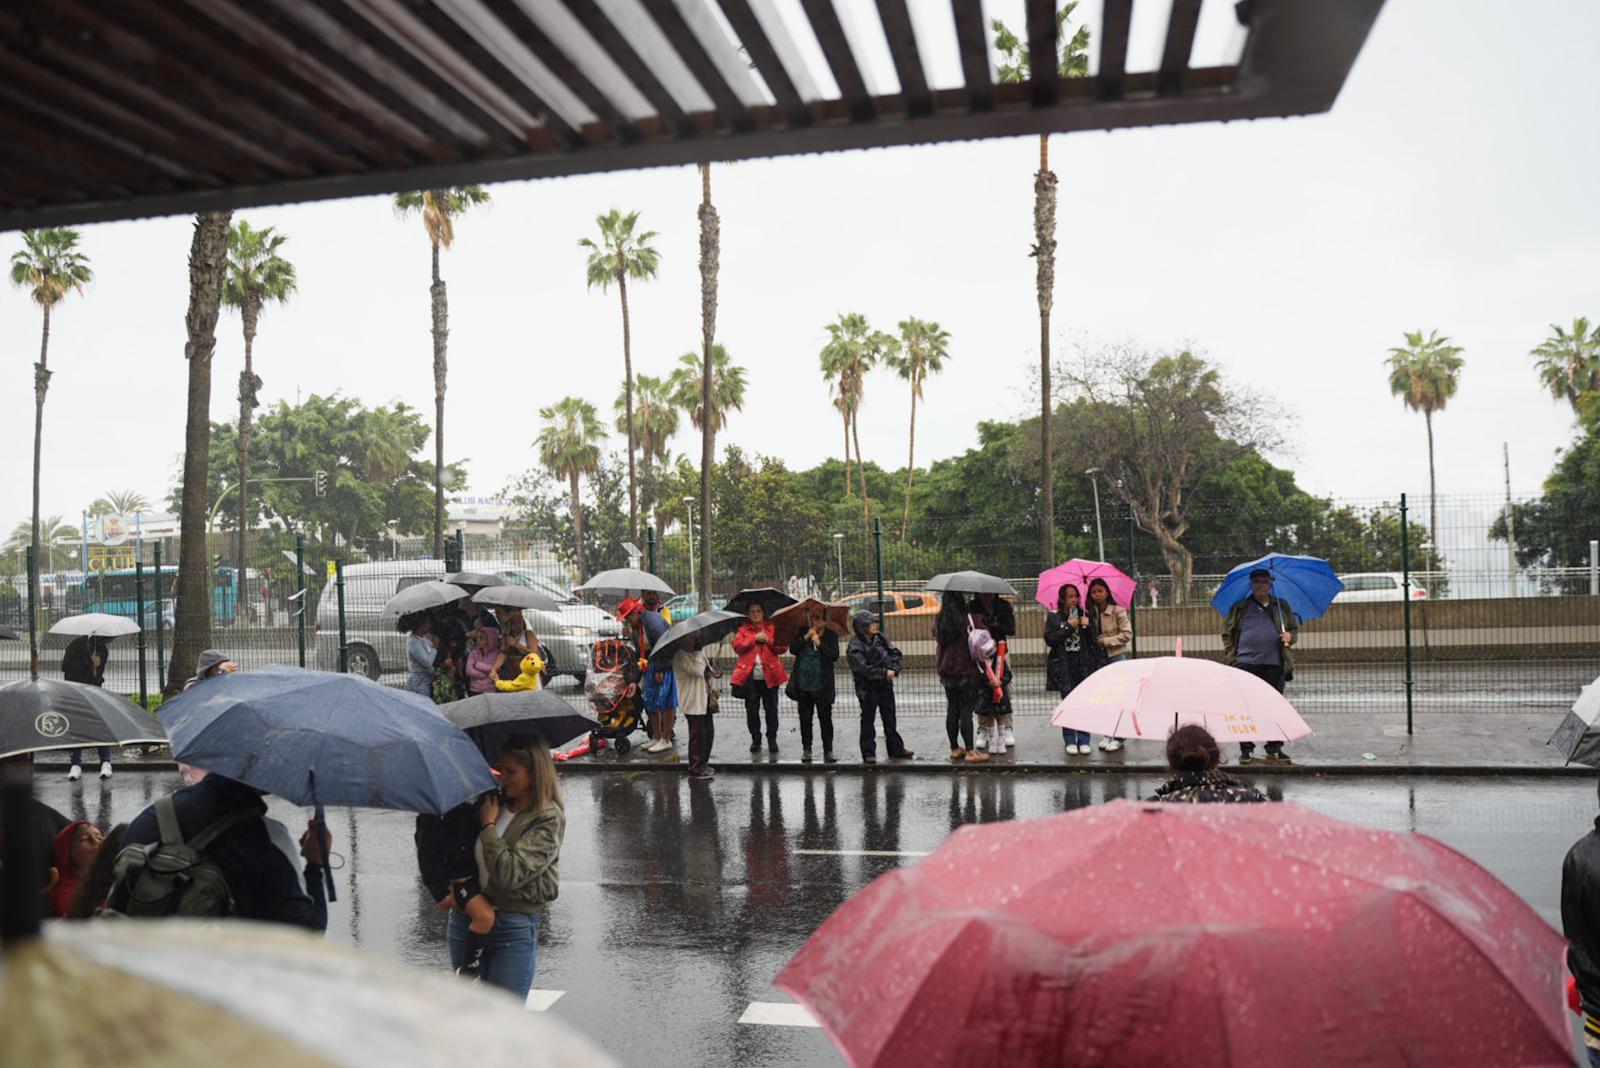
x=114 y=529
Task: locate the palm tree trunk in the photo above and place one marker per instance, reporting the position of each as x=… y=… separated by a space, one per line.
x=911 y=462
x=1044 y=252
x=41 y=385
x=192 y=627
x=845 y=415
x=441 y=335
x=248 y=384
x=710 y=260
x=627 y=392
x=861 y=469
x=578 y=553
x=1433 y=490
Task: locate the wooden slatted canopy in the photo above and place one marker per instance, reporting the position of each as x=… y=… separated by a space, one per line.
x=114 y=109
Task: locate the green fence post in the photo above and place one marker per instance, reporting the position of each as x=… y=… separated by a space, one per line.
x=461 y=549
x=33 y=610
x=138 y=598
x=650 y=548
x=877 y=553
x=338 y=586
x=1405 y=593
x=1133 y=607
x=161 y=629
x=300 y=576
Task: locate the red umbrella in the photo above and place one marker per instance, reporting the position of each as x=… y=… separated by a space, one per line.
x=1135 y=934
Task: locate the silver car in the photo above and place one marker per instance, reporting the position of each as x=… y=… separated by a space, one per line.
x=375 y=649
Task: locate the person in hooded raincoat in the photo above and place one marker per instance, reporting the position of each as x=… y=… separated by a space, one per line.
x=874 y=664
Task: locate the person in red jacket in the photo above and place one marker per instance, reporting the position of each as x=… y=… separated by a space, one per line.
x=758 y=675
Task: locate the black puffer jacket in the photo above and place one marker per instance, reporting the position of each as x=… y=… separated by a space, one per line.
x=1580 y=917
x=871 y=659
x=1071 y=656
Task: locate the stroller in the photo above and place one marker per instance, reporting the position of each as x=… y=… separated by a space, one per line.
x=611 y=689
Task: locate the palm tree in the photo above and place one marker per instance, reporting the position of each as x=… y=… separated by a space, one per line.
x=655 y=420
x=256 y=275
x=853 y=349
x=208 y=263
x=1423 y=373
x=728 y=381
x=48 y=266
x=710 y=258
x=619 y=255
x=1569 y=364
x=922 y=351
x=439 y=209
x=1073 y=62
x=119 y=502
x=569 y=447
x=52 y=530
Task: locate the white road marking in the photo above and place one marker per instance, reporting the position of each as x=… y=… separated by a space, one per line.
x=778 y=1014
x=540 y=1000
x=858 y=853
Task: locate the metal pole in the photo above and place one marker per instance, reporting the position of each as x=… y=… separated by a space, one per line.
x=138 y=597
x=33 y=610
x=1099 y=535
x=161 y=629
x=461 y=549
x=300 y=576
x=338 y=586
x=1405 y=593
x=877 y=552
x=838 y=550
x=650 y=548
x=1594 y=568
x=1133 y=607
x=1511 y=522
x=83 y=559
x=688 y=535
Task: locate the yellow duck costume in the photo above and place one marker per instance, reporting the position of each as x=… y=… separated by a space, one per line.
x=532 y=665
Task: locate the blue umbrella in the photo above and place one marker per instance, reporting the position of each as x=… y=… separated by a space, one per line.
x=1307 y=583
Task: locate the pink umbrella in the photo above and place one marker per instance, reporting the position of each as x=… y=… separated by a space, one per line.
x=1148 y=698
x=1079 y=573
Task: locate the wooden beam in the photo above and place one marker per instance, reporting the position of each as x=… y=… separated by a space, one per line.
x=972 y=38
x=1117 y=17
x=1043 y=48
x=729 y=108
x=767 y=62
x=836 y=50
x=634 y=68
x=902 y=38
x=1180 y=42
x=520 y=26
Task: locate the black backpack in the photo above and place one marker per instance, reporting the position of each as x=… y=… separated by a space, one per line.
x=173 y=877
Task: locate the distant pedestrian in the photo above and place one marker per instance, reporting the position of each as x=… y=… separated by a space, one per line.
x=1111 y=634
x=958 y=675
x=210 y=664
x=993 y=711
x=1580 y=922
x=420 y=652
x=1256 y=636
x=85 y=661
x=758 y=675
x=875 y=664
x=658 y=686
x=1070 y=659
x=1193 y=756
x=816 y=650
x=693 y=678
x=481 y=661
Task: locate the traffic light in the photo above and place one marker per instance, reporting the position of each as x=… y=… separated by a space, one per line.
x=320 y=481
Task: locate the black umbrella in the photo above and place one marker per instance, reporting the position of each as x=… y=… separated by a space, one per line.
x=472 y=580
x=515 y=597
x=709 y=627
x=42 y=714
x=539 y=712
x=969 y=582
x=7 y=634
x=766 y=596
x=625 y=582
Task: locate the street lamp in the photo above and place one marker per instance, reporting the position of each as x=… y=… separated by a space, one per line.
x=689 y=533
x=1099 y=536
x=838 y=549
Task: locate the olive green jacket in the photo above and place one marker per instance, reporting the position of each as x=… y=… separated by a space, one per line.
x=523 y=865
x=1281 y=611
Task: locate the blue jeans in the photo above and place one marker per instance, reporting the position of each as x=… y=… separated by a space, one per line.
x=420 y=683
x=513 y=949
x=1072 y=737
x=74 y=757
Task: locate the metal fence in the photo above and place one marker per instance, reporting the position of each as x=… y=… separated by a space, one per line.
x=1459 y=629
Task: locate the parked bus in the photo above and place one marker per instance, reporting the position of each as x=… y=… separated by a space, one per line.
x=116 y=593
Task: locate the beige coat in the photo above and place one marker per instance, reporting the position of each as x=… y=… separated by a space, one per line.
x=1116 y=629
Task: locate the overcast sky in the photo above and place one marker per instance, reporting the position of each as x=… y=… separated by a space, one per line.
x=1453 y=187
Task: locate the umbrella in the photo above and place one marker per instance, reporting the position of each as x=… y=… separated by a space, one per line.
x=710 y=627
x=1306 y=582
x=515 y=597
x=319 y=737
x=1148 y=698
x=790 y=621
x=7 y=634
x=623 y=581
x=254 y=995
x=1578 y=738
x=96 y=625
x=423 y=596
x=1241 y=934
x=473 y=580
x=42 y=714
x=538 y=712
x=969 y=582
x=767 y=597
x=1079 y=573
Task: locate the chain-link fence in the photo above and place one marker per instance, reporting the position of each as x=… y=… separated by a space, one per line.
x=1435 y=615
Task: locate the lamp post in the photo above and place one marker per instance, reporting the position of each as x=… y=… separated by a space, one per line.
x=1099 y=537
x=688 y=533
x=838 y=550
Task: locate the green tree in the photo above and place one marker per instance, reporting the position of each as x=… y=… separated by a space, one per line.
x=1072 y=61
x=542 y=510
x=853 y=349
x=49 y=266
x=1555 y=529
x=439 y=209
x=1569 y=363
x=52 y=530
x=256 y=276
x=119 y=502
x=619 y=255
x=655 y=420
x=1423 y=373
x=569 y=448
x=922 y=351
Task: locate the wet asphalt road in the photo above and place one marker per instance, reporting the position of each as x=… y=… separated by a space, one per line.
x=681 y=900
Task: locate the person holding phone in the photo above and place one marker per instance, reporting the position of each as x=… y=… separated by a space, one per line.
x=1070 y=659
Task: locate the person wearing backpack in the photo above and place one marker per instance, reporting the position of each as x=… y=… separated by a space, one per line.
x=210 y=850
x=958 y=674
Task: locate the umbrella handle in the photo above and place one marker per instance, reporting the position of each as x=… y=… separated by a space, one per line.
x=320 y=828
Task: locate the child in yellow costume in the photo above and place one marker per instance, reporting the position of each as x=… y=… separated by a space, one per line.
x=532 y=665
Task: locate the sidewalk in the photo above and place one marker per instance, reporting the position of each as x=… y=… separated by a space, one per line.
x=1444 y=743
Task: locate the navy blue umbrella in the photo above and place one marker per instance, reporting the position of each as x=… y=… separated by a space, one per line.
x=1307 y=583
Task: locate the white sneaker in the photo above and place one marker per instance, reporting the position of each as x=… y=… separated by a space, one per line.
x=654 y=745
x=105 y=769
x=1011 y=738
x=1072 y=750
x=74 y=773
x=997 y=743
x=1105 y=743
x=1112 y=746
x=982 y=741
